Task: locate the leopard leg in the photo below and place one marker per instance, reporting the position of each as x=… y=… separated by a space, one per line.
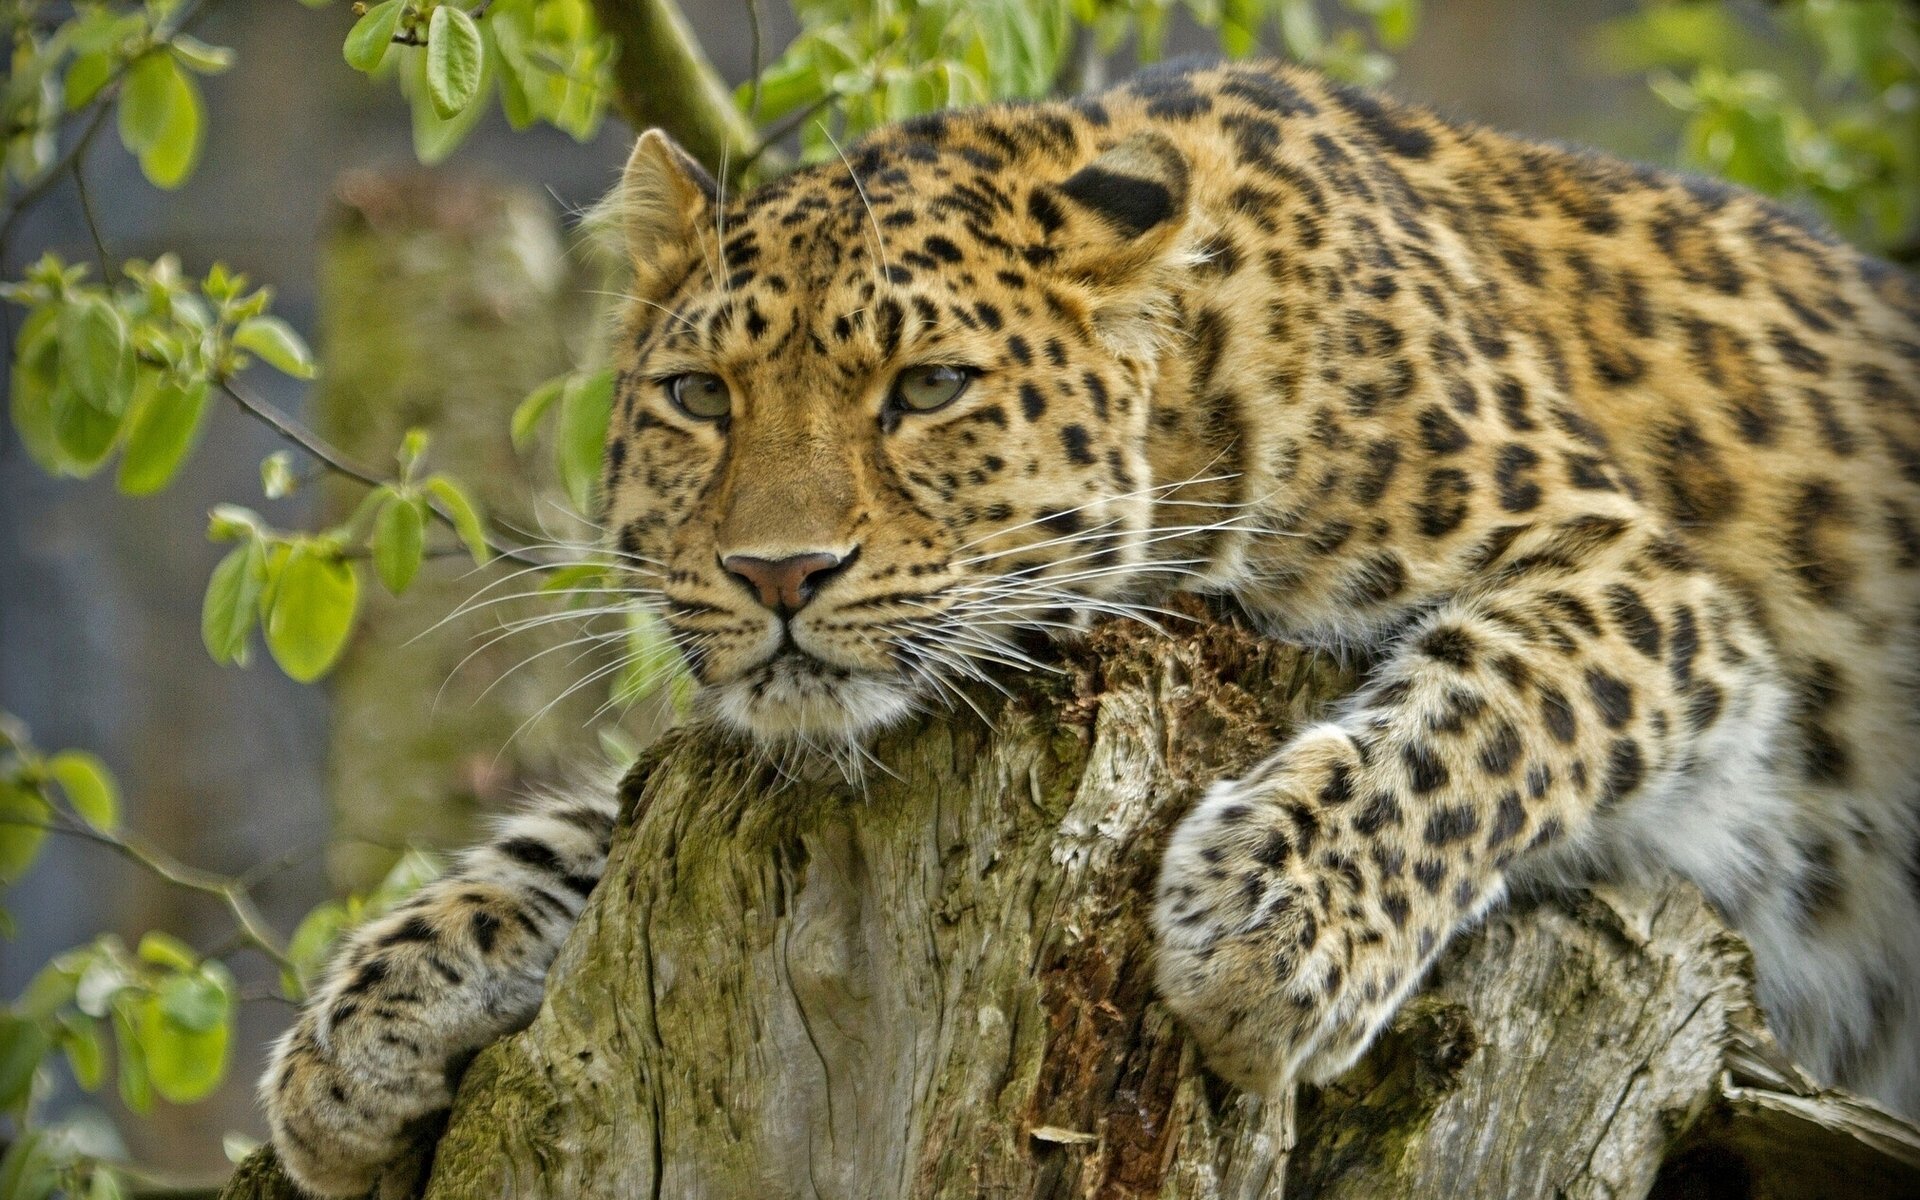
x=1299 y=906
x=410 y=997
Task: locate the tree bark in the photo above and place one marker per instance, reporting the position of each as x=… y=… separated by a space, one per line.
x=663 y=78
x=939 y=985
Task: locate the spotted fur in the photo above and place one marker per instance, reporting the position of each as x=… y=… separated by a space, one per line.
x=1614 y=476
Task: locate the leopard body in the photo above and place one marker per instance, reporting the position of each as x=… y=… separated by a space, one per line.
x=1612 y=475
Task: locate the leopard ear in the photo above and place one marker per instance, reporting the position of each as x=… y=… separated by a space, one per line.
x=664 y=201
x=1120 y=212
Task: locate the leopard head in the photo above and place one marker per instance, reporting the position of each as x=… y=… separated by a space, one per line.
x=883 y=420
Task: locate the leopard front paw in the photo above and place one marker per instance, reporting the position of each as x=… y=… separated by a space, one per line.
x=1277 y=946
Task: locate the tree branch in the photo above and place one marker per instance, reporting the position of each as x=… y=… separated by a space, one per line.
x=663 y=78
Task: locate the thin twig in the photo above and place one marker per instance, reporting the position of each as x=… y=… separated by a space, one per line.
x=753 y=36
x=93 y=225
x=309 y=442
x=253 y=927
x=779 y=130
x=32 y=193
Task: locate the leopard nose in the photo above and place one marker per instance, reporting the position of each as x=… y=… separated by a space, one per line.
x=785 y=584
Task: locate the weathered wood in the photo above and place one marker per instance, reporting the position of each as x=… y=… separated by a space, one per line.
x=939 y=986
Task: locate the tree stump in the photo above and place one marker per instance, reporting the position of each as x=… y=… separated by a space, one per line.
x=443 y=302
x=939 y=985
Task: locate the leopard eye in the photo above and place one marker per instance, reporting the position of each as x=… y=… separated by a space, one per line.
x=923 y=389
x=699 y=395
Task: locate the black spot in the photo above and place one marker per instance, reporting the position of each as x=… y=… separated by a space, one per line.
x=533 y=853
x=1131 y=205
x=1451 y=824
x=1032 y=402
x=1449 y=644
x=485 y=927
x=1431 y=873
x=1518 y=492
x=1425 y=771
x=1612 y=697
x=1509 y=818
x=1796 y=353
x=942 y=249
x=371 y=974
x=413 y=929
x=1512 y=397
x=1444 y=505
x=1501 y=750
x=1397 y=131
x=1635 y=619
x=1625 y=770
x=1381 y=811
x=1558 y=715
x=1074 y=439
x=1339 y=786
x=1440 y=433
x=1704 y=701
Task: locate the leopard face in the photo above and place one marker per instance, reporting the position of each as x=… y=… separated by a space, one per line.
x=883 y=421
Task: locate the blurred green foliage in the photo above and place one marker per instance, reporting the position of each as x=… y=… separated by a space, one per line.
x=1813 y=101
x=863 y=63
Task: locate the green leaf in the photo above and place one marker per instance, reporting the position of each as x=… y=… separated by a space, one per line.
x=314 y=600
x=85 y=434
x=162 y=119
x=277 y=479
x=36 y=381
x=186 y=1063
x=580 y=575
x=275 y=341
x=89 y=787
x=29 y=1170
x=23 y=1044
x=399 y=539
x=311 y=944
x=86 y=1052
x=413 y=870
x=465 y=517
x=96 y=355
x=136 y=1084
x=527 y=414
x=168 y=416
x=436 y=137
x=52 y=989
x=165 y=950
x=454 y=59
x=195 y=1002
x=105 y=1184
x=581 y=438
x=145 y=100
x=199 y=56
x=23 y=814
x=372 y=35
x=227 y=613
x=88 y=74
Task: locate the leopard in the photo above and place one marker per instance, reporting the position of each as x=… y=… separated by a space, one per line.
x=1610 y=476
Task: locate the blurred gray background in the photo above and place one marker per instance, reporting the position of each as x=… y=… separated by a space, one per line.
x=100 y=593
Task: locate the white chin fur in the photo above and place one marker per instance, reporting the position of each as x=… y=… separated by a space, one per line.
x=781 y=702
